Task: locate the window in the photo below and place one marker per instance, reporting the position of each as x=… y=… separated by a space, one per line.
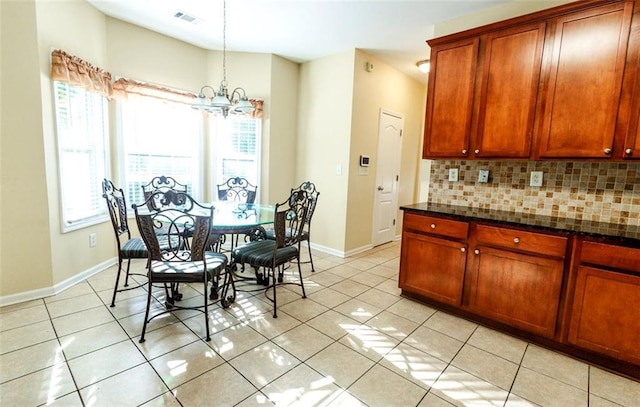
x=83 y=159
x=235 y=149
x=160 y=137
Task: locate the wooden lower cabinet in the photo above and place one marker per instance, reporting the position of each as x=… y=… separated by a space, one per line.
x=521 y=290
x=433 y=267
x=576 y=293
x=605 y=316
x=606 y=313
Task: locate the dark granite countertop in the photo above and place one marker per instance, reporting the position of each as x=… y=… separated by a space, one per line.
x=624 y=234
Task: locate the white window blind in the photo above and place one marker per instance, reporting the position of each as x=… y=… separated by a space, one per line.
x=236 y=149
x=83 y=160
x=160 y=137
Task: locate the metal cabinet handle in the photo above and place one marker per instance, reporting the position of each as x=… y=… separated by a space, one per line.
x=380 y=189
x=464 y=152
x=628 y=151
x=607 y=151
x=433 y=226
x=516 y=240
x=476 y=251
x=477 y=151
x=462 y=249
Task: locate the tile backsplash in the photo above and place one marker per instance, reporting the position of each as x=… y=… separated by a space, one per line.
x=602 y=192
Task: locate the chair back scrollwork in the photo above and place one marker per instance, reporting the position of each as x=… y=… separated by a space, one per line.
x=161 y=183
x=290 y=218
x=237 y=189
x=117 y=207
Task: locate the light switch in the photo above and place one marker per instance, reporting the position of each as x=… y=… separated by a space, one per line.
x=338 y=169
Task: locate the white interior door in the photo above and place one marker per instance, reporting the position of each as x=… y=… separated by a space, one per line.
x=387 y=175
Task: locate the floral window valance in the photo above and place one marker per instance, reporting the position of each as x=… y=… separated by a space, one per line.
x=123 y=87
x=77 y=72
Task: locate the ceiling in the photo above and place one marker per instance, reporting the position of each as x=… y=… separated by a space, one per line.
x=393 y=31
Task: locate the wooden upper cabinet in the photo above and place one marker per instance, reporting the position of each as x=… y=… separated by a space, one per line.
x=632 y=142
x=509 y=81
x=450 y=99
x=630 y=109
x=586 y=54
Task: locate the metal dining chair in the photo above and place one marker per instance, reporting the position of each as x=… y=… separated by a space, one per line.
x=186 y=260
x=273 y=255
x=128 y=248
x=312 y=196
x=240 y=190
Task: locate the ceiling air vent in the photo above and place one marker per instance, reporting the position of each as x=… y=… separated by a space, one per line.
x=185 y=17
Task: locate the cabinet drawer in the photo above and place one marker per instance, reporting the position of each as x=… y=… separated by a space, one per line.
x=436 y=226
x=619 y=257
x=521 y=240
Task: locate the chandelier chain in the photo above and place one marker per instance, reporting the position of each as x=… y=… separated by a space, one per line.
x=224 y=41
x=222 y=102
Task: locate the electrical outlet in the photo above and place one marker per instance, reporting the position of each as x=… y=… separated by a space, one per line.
x=536 y=179
x=92 y=240
x=483 y=176
x=453 y=174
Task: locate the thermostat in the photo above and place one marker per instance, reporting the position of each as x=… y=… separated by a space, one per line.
x=364 y=160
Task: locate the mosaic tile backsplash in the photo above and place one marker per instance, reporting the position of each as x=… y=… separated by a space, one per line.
x=601 y=192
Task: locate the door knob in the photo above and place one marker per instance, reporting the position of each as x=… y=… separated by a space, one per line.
x=380 y=189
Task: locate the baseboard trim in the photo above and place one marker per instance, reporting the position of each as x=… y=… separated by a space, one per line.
x=57 y=288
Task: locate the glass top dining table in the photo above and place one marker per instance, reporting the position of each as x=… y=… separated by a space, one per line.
x=234 y=217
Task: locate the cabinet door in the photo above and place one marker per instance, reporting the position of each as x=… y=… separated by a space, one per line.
x=632 y=141
x=518 y=289
x=509 y=88
x=450 y=99
x=606 y=314
x=432 y=267
x=582 y=91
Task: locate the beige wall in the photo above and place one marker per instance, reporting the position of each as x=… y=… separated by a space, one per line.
x=338 y=121
x=383 y=88
x=38 y=259
x=279 y=144
x=324 y=132
x=25 y=252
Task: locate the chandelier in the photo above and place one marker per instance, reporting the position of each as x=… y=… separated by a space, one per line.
x=222 y=101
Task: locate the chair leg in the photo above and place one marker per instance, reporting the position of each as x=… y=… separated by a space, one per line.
x=275 y=303
x=304 y=295
x=310 y=256
x=206 y=310
x=146 y=314
x=115 y=289
x=126 y=278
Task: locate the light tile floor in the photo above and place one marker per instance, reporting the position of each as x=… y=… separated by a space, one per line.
x=353 y=342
